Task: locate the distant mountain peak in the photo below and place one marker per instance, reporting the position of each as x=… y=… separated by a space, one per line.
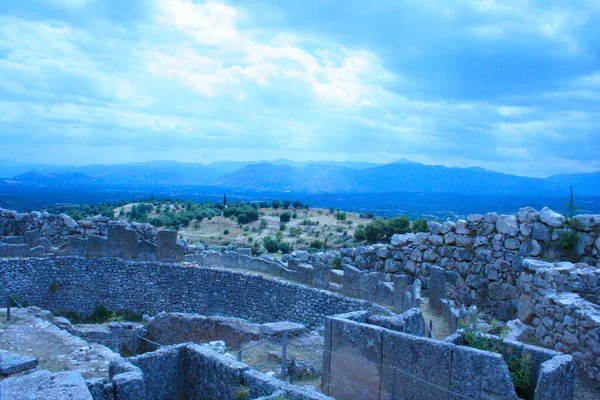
x=404 y=161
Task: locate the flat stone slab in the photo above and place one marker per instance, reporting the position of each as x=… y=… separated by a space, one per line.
x=278 y=328
x=11 y=363
x=43 y=385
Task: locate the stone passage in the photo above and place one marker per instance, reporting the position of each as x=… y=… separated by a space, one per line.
x=81 y=284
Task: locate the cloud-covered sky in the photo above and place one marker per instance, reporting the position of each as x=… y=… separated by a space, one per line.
x=510 y=85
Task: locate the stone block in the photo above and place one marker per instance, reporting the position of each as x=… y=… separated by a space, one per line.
x=97 y=246
x=37 y=251
x=11 y=363
x=167 y=248
x=246 y=251
x=385 y=293
x=78 y=246
x=48 y=386
x=336 y=276
x=278 y=328
x=320 y=274
x=245 y=261
x=305 y=273
x=32 y=238
x=368 y=285
x=46 y=244
x=13 y=250
x=129 y=385
x=355 y=354
x=556 y=379
x=426 y=359
x=437 y=287
x=148 y=251
x=229 y=259
x=212 y=258
x=468 y=380
x=400 y=287
x=14 y=240
x=351 y=280
x=116 y=239
x=131 y=245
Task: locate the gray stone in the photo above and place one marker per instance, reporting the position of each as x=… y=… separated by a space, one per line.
x=97 y=246
x=229 y=259
x=14 y=240
x=11 y=363
x=13 y=250
x=551 y=218
x=437 y=287
x=336 y=276
x=533 y=265
x=351 y=280
x=167 y=248
x=116 y=239
x=245 y=262
x=36 y=252
x=43 y=385
x=46 y=244
x=587 y=222
x=401 y=240
x=320 y=274
x=148 y=250
x=32 y=238
x=400 y=287
x=556 y=379
x=246 y=251
x=507 y=225
x=278 y=328
x=131 y=245
x=435 y=227
x=540 y=232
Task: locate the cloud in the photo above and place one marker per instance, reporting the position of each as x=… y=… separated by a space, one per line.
x=207 y=80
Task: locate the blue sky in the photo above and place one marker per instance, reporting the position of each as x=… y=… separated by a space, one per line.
x=509 y=85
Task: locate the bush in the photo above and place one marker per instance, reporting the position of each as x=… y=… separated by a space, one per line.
x=242 y=219
x=285 y=247
x=382 y=230
x=286 y=204
x=271 y=244
x=420 y=225
x=285 y=216
x=226 y=232
x=276 y=204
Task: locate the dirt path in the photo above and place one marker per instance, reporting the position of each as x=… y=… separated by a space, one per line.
x=56 y=349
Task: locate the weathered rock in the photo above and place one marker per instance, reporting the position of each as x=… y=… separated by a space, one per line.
x=11 y=363
x=43 y=385
x=552 y=218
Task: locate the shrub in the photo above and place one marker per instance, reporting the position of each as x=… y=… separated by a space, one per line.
x=420 y=225
x=226 y=232
x=276 y=204
x=271 y=244
x=243 y=393
x=54 y=286
x=263 y=224
x=286 y=204
x=285 y=247
x=242 y=219
x=285 y=216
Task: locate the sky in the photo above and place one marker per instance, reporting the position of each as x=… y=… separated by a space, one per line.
x=508 y=85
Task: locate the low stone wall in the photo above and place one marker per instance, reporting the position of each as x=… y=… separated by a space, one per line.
x=366 y=361
x=191 y=371
x=561 y=318
x=80 y=284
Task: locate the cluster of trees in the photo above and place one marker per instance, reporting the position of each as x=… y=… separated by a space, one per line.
x=243 y=212
x=381 y=230
x=284 y=204
x=86 y=211
x=275 y=244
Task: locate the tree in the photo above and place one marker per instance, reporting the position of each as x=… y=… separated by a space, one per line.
x=297 y=204
x=286 y=204
x=271 y=244
x=225 y=199
x=420 y=225
x=242 y=219
x=285 y=216
x=276 y=204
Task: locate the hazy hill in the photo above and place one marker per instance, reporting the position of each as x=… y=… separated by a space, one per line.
x=401 y=177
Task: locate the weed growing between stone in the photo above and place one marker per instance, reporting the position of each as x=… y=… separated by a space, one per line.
x=519 y=366
x=243 y=393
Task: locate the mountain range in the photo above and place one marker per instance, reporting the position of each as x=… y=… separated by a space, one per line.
x=307 y=177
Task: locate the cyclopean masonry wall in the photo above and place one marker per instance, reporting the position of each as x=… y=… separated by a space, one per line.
x=553 y=301
x=80 y=284
x=56 y=228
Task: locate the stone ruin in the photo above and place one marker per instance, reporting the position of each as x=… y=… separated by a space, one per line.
x=485 y=264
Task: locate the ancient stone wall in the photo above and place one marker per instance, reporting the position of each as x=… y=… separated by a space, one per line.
x=80 y=284
x=551 y=301
x=56 y=228
x=365 y=361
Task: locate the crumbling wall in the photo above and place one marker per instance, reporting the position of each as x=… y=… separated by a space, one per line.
x=561 y=318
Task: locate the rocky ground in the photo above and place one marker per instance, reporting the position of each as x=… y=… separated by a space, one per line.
x=28 y=333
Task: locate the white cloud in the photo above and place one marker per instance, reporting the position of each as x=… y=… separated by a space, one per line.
x=335 y=75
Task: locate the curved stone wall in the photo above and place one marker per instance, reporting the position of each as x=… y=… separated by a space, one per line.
x=80 y=284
